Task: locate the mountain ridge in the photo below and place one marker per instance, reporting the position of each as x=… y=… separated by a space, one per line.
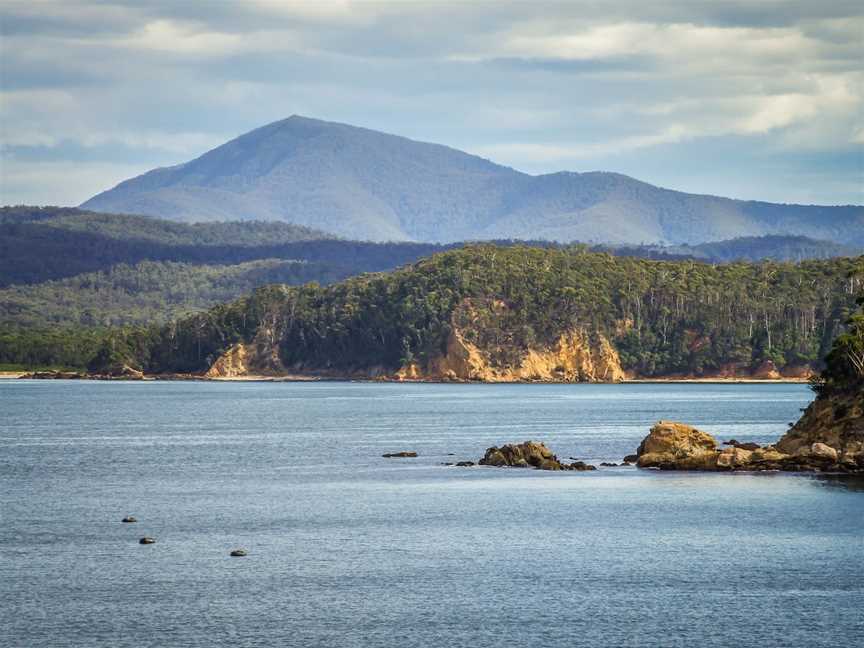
x=363 y=184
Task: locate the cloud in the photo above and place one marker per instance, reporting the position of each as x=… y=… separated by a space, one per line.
x=644 y=88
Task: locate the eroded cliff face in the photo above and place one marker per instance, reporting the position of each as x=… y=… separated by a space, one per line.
x=257 y=358
x=575 y=357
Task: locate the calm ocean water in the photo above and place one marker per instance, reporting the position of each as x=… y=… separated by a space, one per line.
x=349 y=549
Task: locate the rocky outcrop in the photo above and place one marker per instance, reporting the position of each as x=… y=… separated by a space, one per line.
x=835 y=422
x=397 y=455
x=679 y=446
x=530 y=454
x=116 y=372
x=574 y=357
x=676 y=446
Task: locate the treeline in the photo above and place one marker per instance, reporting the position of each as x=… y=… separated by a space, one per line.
x=663 y=317
x=148 y=292
x=747 y=248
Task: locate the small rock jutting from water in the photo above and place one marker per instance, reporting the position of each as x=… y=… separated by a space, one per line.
x=392 y=455
x=147 y=540
x=530 y=454
x=239 y=553
x=129 y=518
x=464 y=464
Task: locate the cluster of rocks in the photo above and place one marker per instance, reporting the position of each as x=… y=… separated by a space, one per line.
x=676 y=446
x=530 y=454
x=53 y=375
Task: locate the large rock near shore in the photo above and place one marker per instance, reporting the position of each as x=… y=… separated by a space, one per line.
x=677 y=446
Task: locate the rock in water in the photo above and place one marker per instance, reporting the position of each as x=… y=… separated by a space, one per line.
x=391 y=455
x=528 y=454
x=677 y=446
x=239 y=553
x=147 y=540
x=129 y=518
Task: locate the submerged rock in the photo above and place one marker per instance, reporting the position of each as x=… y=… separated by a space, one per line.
x=530 y=454
x=239 y=553
x=147 y=540
x=404 y=453
x=464 y=464
x=129 y=518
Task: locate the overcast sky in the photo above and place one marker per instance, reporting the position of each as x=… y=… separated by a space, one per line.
x=757 y=99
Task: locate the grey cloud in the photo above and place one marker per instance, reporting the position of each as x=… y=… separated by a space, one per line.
x=82 y=75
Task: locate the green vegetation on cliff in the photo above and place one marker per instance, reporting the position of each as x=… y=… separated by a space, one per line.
x=663 y=317
x=844 y=364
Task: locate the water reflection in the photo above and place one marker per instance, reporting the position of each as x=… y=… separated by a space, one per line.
x=846 y=482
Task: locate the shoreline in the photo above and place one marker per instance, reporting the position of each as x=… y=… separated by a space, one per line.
x=23 y=375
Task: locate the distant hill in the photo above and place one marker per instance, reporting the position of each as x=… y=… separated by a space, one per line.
x=748 y=248
x=367 y=185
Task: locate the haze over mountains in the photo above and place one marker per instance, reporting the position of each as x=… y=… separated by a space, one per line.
x=363 y=184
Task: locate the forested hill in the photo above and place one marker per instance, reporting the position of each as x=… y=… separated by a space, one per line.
x=662 y=317
x=41 y=244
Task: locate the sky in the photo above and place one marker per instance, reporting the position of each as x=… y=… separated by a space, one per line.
x=756 y=100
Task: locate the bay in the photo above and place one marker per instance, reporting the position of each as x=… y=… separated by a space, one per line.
x=347 y=548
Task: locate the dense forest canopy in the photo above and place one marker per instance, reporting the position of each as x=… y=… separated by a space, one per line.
x=663 y=317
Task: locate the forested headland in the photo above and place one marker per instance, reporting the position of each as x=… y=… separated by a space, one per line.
x=663 y=317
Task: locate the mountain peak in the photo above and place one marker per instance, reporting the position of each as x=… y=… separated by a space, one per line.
x=365 y=184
